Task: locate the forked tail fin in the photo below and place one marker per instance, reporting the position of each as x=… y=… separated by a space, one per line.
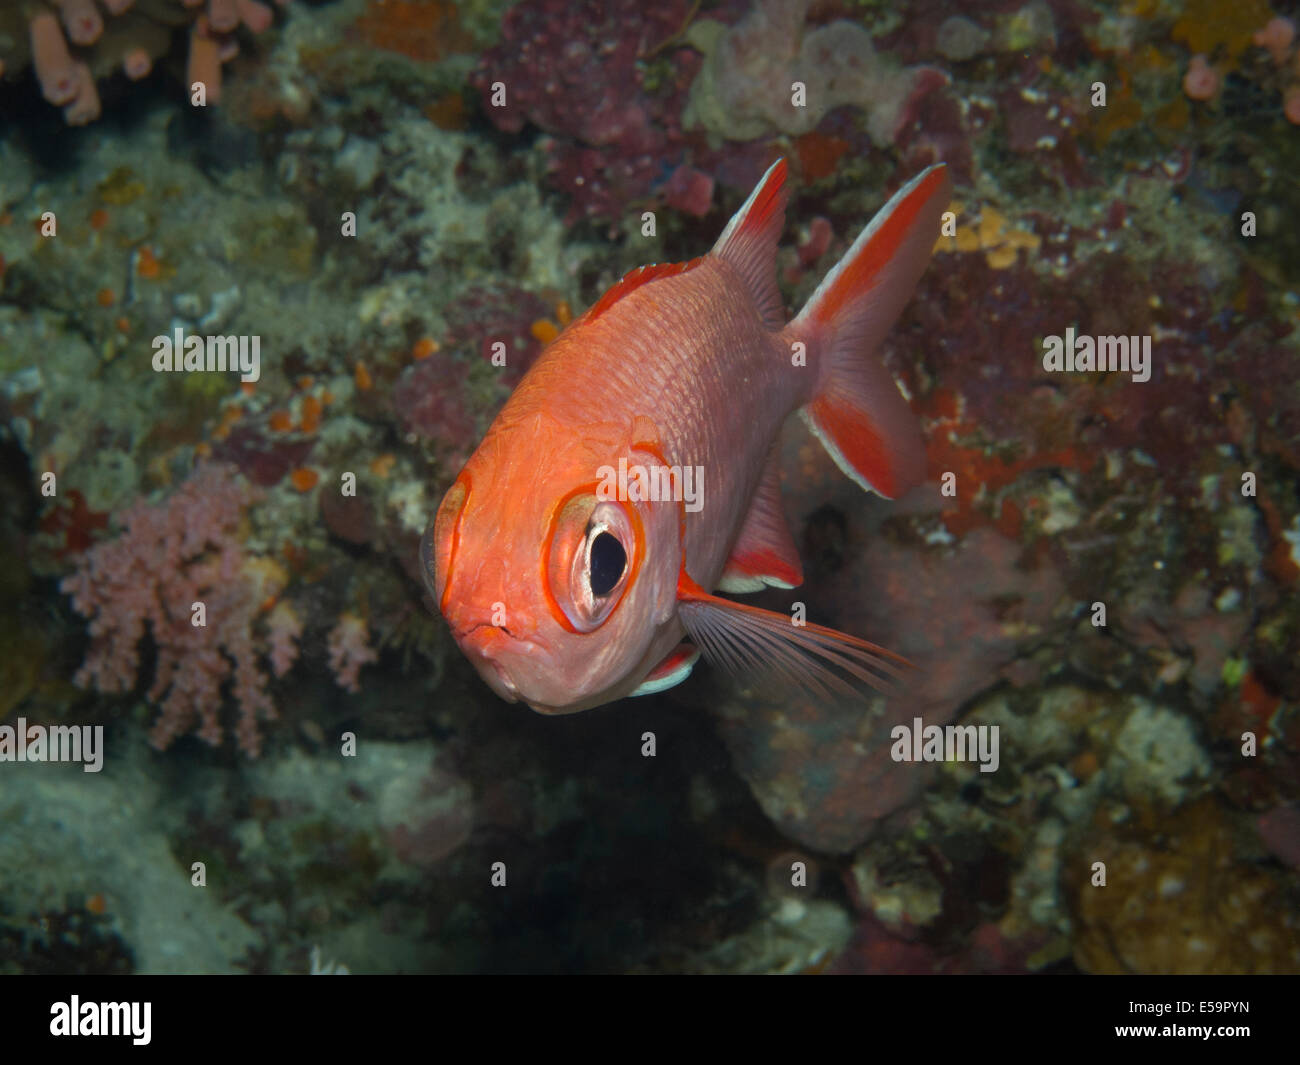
x=856 y=410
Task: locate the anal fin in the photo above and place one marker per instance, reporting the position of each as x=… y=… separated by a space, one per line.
x=671 y=671
x=764 y=554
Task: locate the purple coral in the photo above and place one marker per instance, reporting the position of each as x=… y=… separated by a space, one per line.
x=487 y=315
x=559 y=62
x=576 y=70
x=170 y=557
x=432 y=401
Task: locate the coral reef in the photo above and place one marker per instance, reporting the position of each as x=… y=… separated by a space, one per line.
x=1280 y=831
x=751 y=81
x=1177 y=900
x=349 y=650
x=579 y=71
x=73 y=44
x=102 y=842
x=424 y=30
x=825 y=773
x=395 y=240
x=178 y=569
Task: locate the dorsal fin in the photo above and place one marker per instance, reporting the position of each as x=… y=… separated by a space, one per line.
x=633 y=280
x=749 y=243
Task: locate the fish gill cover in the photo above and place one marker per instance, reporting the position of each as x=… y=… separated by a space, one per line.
x=267 y=274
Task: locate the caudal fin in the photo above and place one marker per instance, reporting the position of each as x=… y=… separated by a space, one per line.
x=856 y=410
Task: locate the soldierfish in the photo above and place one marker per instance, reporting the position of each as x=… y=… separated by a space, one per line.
x=566 y=588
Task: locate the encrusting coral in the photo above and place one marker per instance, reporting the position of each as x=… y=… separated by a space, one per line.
x=72 y=44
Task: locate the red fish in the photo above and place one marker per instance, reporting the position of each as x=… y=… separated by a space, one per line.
x=633 y=471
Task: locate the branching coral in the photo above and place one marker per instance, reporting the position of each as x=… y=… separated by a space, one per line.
x=71 y=44
x=350 y=649
x=176 y=564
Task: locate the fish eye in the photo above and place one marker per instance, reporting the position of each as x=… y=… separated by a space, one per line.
x=608 y=560
x=600 y=565
x=590 y=559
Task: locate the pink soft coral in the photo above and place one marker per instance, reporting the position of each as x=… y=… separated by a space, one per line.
x=169 y=558
x=350 y=650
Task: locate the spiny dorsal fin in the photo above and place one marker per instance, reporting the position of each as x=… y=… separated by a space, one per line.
x=749 y=243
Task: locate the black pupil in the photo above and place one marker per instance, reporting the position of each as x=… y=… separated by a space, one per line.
x=607 y=561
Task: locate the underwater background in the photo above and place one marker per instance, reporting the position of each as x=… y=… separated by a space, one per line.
x=1108 y=576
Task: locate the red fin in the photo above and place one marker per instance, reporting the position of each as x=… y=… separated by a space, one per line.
x=857 y=411
x=671 y=671
x=749 y=242
x=633 y=280
x=747 y=641
x=764 y=553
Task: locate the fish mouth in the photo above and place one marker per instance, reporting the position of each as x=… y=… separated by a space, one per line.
x=504 y=679
x=484 y=638
x=481 y=643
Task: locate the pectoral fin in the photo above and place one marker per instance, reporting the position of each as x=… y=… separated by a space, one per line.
x=747 y=641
